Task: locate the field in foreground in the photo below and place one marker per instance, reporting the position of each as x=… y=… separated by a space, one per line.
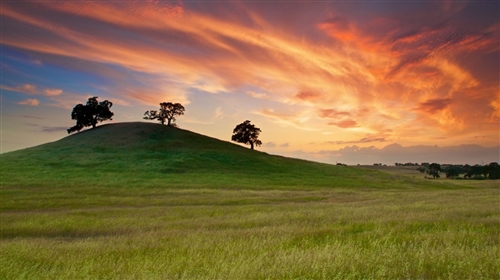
x=351 y=223
x=248 y=234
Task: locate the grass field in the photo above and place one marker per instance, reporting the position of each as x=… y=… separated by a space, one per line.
x=142 y=207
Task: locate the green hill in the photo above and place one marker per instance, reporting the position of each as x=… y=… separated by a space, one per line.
x=152 y=155
x=145 y=201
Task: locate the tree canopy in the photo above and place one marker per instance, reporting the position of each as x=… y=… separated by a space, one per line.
x=434 y=169
x=168 y=111
x=247 y=134
x=90 y=114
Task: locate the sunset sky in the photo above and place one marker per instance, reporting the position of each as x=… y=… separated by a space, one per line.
x=331 y=81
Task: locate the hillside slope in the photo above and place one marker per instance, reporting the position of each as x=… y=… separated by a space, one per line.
x=146 y=154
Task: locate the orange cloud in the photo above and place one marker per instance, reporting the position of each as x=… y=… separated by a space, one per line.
x=433 y=105
x=296 y=120
x=332 y=113
x=344 y=123
x=32 y=90
x=496 y=106
x=258 y=95
x=308 y=95
x=53 y=92
x=26 y=88
x=30 y=102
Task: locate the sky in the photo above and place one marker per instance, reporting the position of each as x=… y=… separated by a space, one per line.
x=355 y=82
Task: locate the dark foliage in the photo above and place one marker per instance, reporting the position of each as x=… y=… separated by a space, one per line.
x=406 y=164
x=422 y=169
x=475 y=171
x=453 y=171
x=167 y=112
x=247 y=133
x=493 y=170
x=90 y=114
x=434 y=169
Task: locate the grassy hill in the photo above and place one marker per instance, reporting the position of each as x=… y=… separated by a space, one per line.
x=145 y=154
x=145 y=201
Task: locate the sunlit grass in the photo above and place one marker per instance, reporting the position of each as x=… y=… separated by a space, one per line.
x=246 y=234
x=190 y=207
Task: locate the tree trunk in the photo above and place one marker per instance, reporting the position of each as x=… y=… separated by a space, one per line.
x=251 y=145
x=169 y=122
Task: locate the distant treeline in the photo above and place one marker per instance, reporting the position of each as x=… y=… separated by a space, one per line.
x=453 y=171
x=407 y=164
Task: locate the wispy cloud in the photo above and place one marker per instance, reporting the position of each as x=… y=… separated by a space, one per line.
x=344 y=123
x=32 y=90
x=269 y=145
x=294 y=119
x=49 y=129
x=53 y=92
x=26 y=88
x=258 y=95
x=29 y=102
x=360 y=141
x=434 y=105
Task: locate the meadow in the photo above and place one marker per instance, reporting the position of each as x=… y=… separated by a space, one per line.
x=176 y=205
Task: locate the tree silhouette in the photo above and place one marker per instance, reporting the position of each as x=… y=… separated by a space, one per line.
x=247 y=134
x=474 y=171
x=493 y=170
x=452 y=173
x=434 y=169
x=168 y=111
x=90 y=114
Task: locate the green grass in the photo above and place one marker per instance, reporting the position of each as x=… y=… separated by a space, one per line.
x=151 y=155
x=107 y=204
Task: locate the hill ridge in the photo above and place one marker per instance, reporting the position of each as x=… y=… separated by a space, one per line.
x=147 y=154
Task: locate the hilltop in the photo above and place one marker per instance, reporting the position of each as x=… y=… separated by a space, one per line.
x=152 y=155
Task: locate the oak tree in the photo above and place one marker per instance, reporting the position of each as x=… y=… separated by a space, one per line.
x=90 y=114
x=167 y=112
x=247 y=134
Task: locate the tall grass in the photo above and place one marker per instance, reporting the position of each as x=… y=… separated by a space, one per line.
x=228 y=234
x=136 y=201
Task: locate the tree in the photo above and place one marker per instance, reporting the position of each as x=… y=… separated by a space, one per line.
x=475 y=171
x=452 y=173
x=168 y=111
x=434 y=169
x=90 y=114
x=422 y=169
x=493 y=170
x=247 y=134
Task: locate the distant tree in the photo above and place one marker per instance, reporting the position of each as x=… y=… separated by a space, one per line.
x=475 y=172
x=167 y=112
x=452 y=173
x=434 y=169
x=247 y=134
x=422 y=169
x=493 y=170
x=90 y=114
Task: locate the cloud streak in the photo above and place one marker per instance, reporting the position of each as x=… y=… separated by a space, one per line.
x=29 y=102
